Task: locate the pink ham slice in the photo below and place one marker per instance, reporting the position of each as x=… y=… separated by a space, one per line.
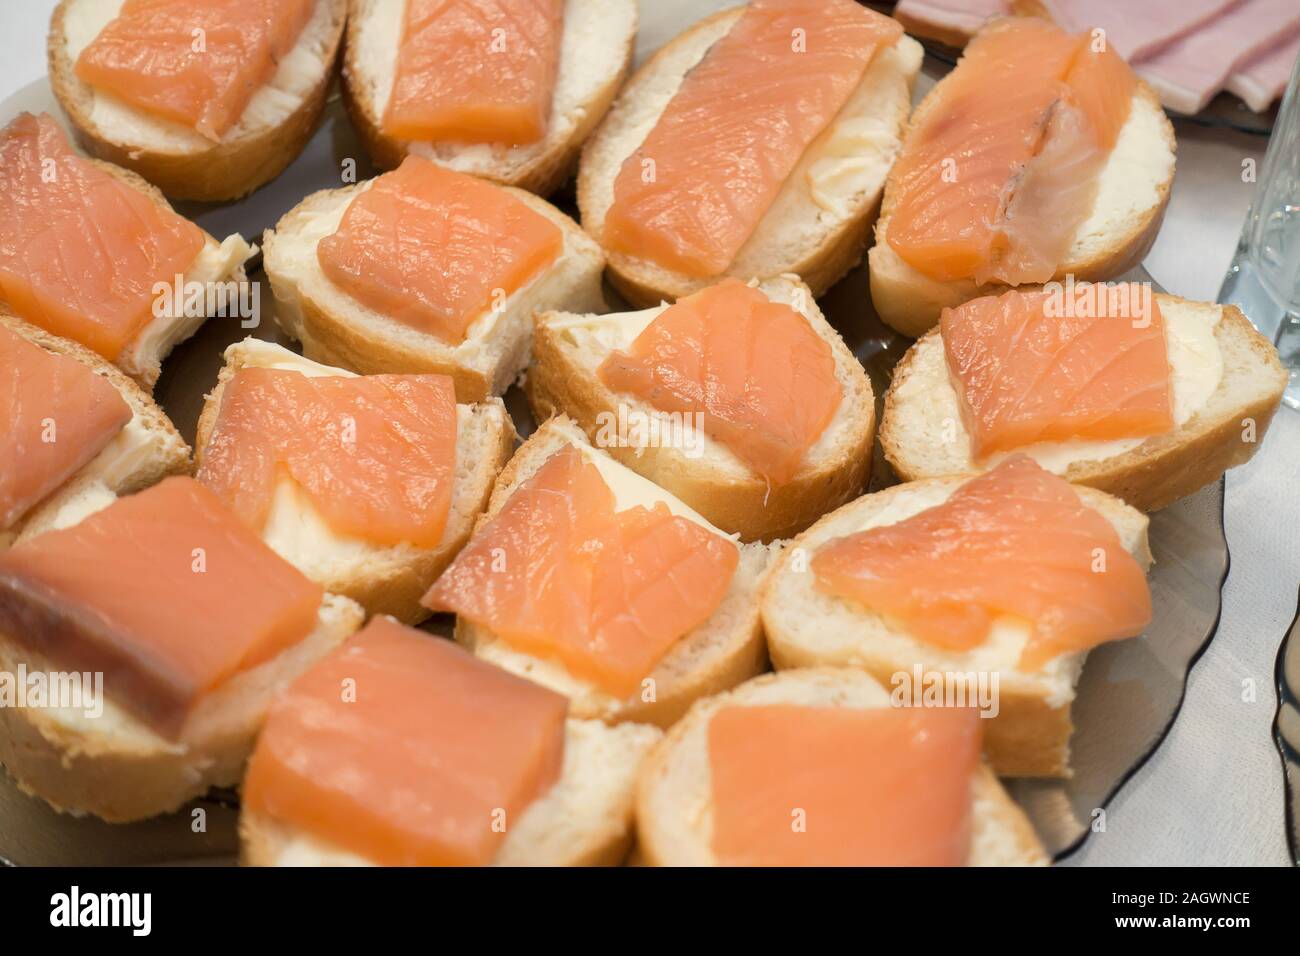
x=949 y=16
x=1261 y=80
x=1188 y=50
x=1136 y=30
x=1188 y=73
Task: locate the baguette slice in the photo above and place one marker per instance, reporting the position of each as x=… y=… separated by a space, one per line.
x=273 y=130
x=595 y=53
x=117 y=768
x=383 y=579
x=568 y=350
x=585 y=819
x=219 y=264
x=720 y=653
x=1130 y=204
x=147 y=450
x=675 y=799
x=818 y=225
x=923 y=436
x=335 y=329
x=1030 y=736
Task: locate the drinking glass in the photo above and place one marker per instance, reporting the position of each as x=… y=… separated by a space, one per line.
x=1264 y=279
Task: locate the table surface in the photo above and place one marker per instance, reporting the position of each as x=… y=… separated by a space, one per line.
x=1213 y=793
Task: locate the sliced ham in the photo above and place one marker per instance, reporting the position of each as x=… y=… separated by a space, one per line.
x=1136 y=30
x=945 y=18
x=1188 y=50
x=1188 y=73
x=1261 y=80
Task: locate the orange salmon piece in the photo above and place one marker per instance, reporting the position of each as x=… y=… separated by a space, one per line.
x=559 y=574
x=1102 y=86
x=376 y=454
x=967 y=146
x=59 y=415
x=889 y=786
x=760 y=374
x=698 y=186
x=999 y=170
x=194 y=62
x=1055 y=193
x=1016 y=541
x=164 y=591
x=476 y=71
x=80 y=250
x=1027 y=373
x=417 y=768
x=433 y=249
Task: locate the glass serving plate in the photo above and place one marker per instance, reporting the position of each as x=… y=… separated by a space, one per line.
x=1128 y=696
x=1286 y=729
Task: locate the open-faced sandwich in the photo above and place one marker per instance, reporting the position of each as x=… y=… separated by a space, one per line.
x=95 y=254
x=193 y=626
x=1145 y=396
x=428 y=270
x=206 y=99
x=591 y=580
x=369 y=485
x=402 y=749
x=498 y=88
x=756 y=143
x=817 y=767
x=1038 y=157
x=1008 y=577
x=739 y=399
x=77 y=432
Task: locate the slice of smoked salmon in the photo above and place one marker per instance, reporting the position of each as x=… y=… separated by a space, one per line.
x=1035 y=366
x=376 y=454
x=970 y=141
x=842 y=786
x=431 y=762
x=194 y=62
x=58 y=415
x=1101 y=85
x=435 y=249
x=559 y=574
x=476 y=71
x=80 y=250
x=1056 y=191
x=759 y=373
x=1016 y=541
x=164 y=591
x=1001 y=165
x=696 y=189
x=1047 y=202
